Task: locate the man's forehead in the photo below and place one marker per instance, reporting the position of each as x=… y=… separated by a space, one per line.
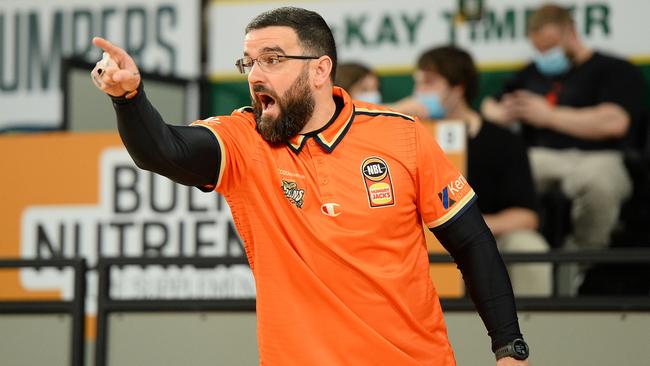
x=271 y=39
x=425 y=75
x=547 y=36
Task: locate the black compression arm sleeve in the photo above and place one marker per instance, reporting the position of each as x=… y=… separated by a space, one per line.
x=185 y=154
x=470 y=242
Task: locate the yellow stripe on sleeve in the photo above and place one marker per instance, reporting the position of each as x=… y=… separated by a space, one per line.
x=457 y=207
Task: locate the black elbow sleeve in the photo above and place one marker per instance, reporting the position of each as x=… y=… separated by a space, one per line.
x=470 y=242
x=186 y=155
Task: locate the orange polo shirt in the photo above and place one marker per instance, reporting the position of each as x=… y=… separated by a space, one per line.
x=332 y=226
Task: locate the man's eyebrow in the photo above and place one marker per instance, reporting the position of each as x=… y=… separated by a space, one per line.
x=268 y=49
x=273 y=49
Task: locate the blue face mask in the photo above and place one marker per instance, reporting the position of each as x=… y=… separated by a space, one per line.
x=432 y=103
x=373 y=97
x=552 y=62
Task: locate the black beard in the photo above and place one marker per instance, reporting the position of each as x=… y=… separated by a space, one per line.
x=295 y=107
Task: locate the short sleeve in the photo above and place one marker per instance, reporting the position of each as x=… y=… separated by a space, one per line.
x=237 y=140
x=623 y=86
x=443 y=192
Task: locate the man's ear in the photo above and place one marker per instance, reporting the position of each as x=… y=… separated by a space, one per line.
x=322 y=71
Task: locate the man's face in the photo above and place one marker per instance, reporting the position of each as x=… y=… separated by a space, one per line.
x=550 y=36
x=282 y=94
x=430 y=82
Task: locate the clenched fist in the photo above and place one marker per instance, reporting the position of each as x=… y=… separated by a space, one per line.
x=116 y=74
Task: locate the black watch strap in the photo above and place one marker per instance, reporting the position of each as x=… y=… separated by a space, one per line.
x=517 y=349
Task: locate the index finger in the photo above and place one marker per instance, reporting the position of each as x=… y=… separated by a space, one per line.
x=107 y=46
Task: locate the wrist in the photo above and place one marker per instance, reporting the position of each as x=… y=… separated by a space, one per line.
x=127 y=97
x=517 y=349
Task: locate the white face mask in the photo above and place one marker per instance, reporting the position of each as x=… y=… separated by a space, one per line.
x=433 y=104
x=552 y=62
x=373 y=97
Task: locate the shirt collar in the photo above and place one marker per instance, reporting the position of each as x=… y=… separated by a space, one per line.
x=329 y=136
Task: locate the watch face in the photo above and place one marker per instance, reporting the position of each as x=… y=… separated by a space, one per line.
x=520 y=349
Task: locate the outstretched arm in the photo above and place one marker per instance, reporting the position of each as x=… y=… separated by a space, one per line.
x=187 y=155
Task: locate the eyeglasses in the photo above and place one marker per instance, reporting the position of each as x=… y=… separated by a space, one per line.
x=266 y=61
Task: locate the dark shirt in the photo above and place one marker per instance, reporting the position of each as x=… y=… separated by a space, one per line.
x=499 y=171
x=602 y=78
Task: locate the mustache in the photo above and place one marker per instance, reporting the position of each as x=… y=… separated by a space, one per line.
x=259 y=88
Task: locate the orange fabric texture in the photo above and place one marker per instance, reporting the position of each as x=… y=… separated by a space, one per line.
x=332 y=225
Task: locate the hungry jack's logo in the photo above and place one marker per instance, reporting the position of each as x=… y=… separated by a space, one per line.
x=293 y=193
x=379 y=186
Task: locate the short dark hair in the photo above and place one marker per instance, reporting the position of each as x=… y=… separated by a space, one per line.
x=453 y=64
x=350 y=73
x=313 y=32
x=549 y=14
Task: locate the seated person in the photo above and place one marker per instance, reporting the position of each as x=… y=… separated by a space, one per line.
x=446 y=81
x=574 y=106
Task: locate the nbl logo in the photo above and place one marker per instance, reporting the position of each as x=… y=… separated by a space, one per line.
x=375 y=170
x=379 y=185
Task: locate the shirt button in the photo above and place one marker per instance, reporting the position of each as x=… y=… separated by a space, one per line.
x=324 y=181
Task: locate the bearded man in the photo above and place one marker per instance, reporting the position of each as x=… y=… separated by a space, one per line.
x=328 y=195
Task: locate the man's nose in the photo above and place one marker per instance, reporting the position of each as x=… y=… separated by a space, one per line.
x=256 y=74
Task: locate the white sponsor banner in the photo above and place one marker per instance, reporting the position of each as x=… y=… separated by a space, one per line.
x=162 y=36
x=138 y=214
x=390 y=35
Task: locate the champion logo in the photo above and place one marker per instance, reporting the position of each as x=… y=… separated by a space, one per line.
x=331 y=209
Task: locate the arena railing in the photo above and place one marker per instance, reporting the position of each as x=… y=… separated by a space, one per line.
x=107 y=304
x=558 y=257
x=75 y=307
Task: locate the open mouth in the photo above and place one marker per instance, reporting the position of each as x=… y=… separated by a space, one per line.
x=266 y=100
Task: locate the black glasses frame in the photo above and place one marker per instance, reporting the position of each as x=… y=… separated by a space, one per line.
x=281 y=58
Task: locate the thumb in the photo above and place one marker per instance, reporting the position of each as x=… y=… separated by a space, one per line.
x=122 y=75
x=128 y=79
x=126 y=76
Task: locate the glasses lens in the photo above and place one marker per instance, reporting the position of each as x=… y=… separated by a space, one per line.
x=267 y=61
x=244 y=65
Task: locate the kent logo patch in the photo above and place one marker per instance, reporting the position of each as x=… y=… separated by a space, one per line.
x=453 y=192
x=293 y=193
x=379 y=186
x=444 y=198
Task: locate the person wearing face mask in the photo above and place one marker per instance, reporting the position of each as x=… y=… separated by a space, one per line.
x=430 y=100
x=575 y=106
x=359 y=81
x=446 y=82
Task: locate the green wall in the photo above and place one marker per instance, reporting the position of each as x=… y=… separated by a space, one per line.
x=227 y=96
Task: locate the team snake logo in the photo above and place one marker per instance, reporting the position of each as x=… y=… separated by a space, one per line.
x=294 y=194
